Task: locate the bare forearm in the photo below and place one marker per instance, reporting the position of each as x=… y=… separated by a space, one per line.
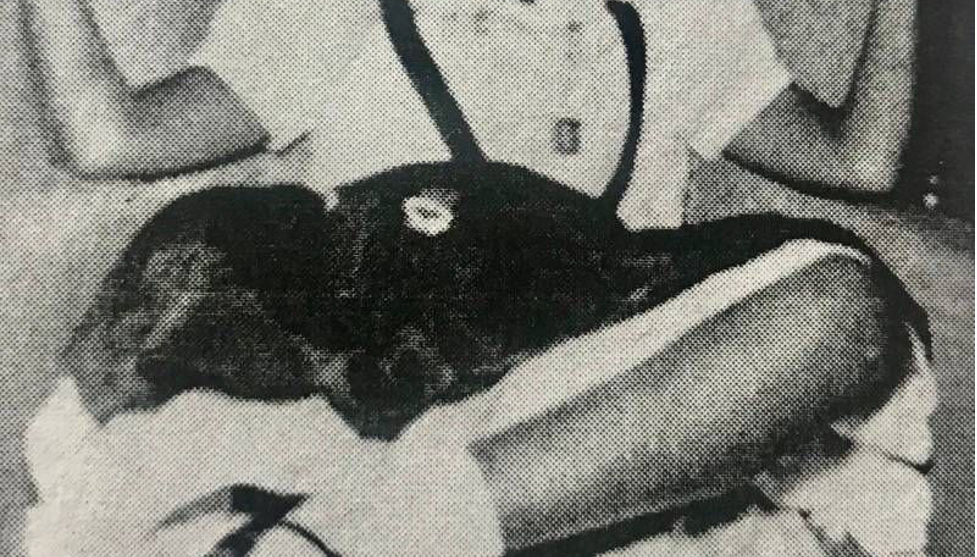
x=858 y=145
x=108 y=129
x=695 y=420
x=881 y=108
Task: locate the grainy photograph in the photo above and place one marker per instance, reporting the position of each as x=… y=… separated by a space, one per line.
x=485 y=278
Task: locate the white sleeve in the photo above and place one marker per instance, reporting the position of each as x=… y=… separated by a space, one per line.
x=724 y=70
x=279 y=56
x=743 y=76
x=711 y=69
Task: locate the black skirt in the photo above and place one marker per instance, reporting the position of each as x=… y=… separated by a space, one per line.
x=425 y=284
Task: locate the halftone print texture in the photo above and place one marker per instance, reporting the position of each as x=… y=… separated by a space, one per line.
x=479 y=278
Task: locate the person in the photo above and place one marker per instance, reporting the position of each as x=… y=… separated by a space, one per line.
x=839 y=140
x=272 y=74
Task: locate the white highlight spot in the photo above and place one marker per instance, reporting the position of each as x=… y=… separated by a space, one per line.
x=429 y=216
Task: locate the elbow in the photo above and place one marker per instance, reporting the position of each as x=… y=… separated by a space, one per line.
x=94 y=142
x=85 y=161
x=856 y=170
x=870 y=171
x=871 y=157
x=95 y=152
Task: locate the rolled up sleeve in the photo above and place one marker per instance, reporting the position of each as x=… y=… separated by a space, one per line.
x=281 y=57
x=727 y=71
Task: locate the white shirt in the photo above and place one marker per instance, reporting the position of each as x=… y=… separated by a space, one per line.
x=326 y=72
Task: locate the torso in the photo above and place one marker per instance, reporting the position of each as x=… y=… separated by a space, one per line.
x=568 y=122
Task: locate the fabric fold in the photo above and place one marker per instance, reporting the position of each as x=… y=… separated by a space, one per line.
x=821 y=41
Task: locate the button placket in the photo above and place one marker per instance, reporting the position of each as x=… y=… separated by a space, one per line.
x=566 y=127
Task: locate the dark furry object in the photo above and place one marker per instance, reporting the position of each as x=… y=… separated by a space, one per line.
x=424 y=284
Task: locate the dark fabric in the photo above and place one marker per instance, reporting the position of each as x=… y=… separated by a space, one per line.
x=632 y=32
x=265 y=511
x=254 y=292
x=820 y=41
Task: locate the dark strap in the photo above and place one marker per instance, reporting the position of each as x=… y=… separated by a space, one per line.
x=430 y=84
x=450 y=121
x=629 y=24
x=267 y=511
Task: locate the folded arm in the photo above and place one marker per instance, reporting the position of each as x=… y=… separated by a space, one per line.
x=107 y=128
x=857 y=146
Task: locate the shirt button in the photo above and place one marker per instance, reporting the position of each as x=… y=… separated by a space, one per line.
x=566 y=136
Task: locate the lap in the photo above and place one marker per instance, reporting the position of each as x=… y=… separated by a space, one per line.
x=231 y=278
x=245 y=264
x=839 y=286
